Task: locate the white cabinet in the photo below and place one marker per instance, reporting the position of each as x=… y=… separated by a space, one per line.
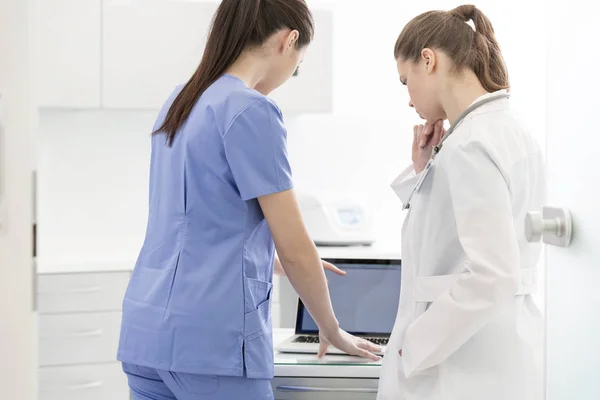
x=83 y=292
x=149 y=47
x=311 y=90
x=67 y=339
x=68 y=53
x=121 y=54
x=79 y=324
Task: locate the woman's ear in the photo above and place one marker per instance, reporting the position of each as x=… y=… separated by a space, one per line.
x=291 y=39
x=428 y=56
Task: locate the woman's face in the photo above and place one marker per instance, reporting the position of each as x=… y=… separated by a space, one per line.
x=420 y=78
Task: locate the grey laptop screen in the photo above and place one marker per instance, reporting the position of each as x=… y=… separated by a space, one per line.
x=365 y=301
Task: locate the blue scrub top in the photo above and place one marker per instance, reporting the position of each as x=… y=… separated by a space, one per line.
x=199 y=299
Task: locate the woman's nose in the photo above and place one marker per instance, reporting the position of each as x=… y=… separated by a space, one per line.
x=410 y=104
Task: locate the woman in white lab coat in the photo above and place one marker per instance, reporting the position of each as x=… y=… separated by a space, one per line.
x=467 y=328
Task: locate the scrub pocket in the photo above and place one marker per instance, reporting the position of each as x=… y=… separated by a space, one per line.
x=258 y=337
x=258 y=307
x=153 y=286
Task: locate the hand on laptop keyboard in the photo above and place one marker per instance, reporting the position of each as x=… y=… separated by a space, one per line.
x=381 y=341
x=347 y=343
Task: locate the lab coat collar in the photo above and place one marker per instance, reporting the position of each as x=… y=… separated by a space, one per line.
x=485 y=96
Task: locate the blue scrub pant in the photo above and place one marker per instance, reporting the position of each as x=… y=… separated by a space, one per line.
x=152 y=384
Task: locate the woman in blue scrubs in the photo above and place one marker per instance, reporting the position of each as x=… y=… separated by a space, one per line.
x=197 y=312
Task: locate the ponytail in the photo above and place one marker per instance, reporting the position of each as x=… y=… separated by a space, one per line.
x=236 y=26
x=488 y=64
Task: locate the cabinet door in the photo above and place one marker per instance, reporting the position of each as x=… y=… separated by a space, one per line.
x=311 y=90
x=68 y=52
x=67 y=339
x=89 y=382
x=68 y=293
x=149 y=47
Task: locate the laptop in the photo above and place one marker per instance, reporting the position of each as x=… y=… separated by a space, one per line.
x=365 y=302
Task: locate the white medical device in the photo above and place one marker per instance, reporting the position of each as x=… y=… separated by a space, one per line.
x=333 y=219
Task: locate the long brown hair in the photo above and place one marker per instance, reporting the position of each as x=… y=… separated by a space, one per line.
x=236 y=26
x=449 y=32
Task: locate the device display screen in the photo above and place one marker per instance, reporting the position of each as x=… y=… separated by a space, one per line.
x=364 y=301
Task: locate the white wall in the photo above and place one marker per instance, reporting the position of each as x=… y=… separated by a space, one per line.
x=573 y=325
x=93 y=185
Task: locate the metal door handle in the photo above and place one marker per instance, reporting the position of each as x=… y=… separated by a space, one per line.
x=553 y=225
x=306 y=389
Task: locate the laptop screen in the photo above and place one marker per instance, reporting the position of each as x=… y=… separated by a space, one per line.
x=365 y=301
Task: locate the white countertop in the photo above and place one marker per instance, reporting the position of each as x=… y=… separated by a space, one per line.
x=330 y=366
x=378 y=250
x=122 y=257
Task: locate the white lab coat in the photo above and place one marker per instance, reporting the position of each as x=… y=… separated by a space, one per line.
x=466 y=323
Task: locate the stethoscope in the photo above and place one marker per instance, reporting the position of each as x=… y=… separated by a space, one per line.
x=436 y=149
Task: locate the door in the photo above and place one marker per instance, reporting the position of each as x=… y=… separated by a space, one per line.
x=573 y=151
x=18 y=341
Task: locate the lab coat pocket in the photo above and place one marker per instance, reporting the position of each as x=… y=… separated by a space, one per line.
x=428 y=289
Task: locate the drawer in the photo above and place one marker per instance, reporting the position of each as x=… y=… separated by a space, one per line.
x=81 y=292
x=324 y=389
x=89 y=382
x=78 y=338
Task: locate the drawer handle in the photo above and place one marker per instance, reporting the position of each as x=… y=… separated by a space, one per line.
x=97 y=332
x=85 y=386
x=91 y=289
x=305 y=389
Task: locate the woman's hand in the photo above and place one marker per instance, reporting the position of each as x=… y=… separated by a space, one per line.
x=425 y=137
x=349 y=344
x=330 y=267
x=326 y=265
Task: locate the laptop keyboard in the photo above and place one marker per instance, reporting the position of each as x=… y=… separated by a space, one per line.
x=315 y=339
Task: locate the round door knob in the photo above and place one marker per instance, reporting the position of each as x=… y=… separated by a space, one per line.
x=534 y=227
x=553 y=225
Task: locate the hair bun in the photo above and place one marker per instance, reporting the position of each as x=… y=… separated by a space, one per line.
x=466 y=12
